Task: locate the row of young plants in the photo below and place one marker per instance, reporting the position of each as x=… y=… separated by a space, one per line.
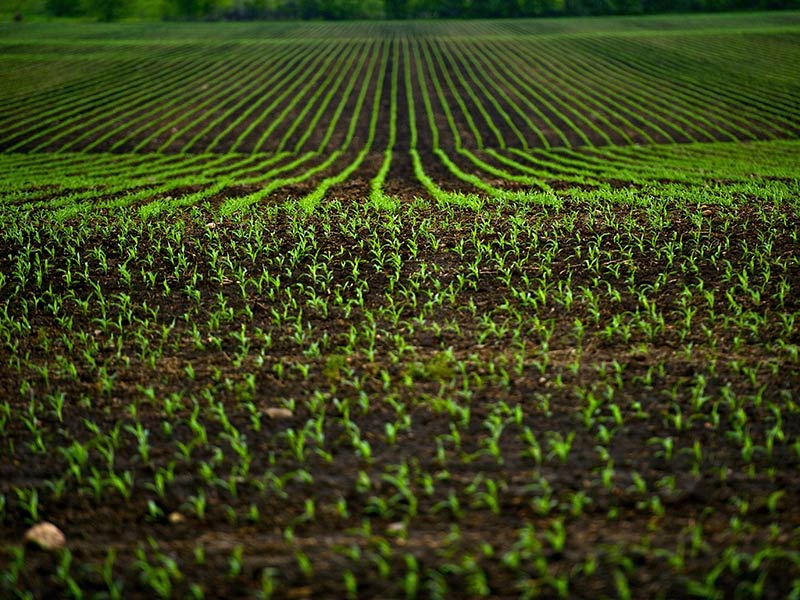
x=72 y=183
x=498 y=89
x=426 y=400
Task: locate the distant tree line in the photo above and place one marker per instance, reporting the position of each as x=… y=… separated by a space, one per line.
x=108 y=10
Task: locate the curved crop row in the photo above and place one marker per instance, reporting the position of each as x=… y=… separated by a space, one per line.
x=495 y=108
x=276 y=183
x=113 y=94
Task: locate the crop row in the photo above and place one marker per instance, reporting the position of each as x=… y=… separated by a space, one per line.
x=484 y=109
x=497 y=93
x=71 y=183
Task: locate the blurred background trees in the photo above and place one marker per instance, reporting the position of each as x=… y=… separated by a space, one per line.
x=388 y=9
x=466 y=9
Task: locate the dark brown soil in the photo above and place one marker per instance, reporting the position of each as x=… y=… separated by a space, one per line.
x=448 y=525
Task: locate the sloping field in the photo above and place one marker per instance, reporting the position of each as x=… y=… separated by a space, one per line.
x=382 y=310
x=242 y=113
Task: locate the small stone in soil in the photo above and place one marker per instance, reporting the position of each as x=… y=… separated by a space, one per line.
x=46 y=536
x=278 y=413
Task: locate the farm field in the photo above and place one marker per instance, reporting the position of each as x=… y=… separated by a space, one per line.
x=395 y=310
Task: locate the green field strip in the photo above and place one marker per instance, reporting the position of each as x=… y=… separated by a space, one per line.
x=143 y=178
x=264 y=93
x=674 y=155
x=754 y=59
x=664 y=107
x=149 y=167
x=311 y=124
x=332 y=124
x=448 y=66
x=541 y=95
x=109 y=92
x=549 y=162
x=751 y=57
x=298 y=98
x=87 y=200
x=310 y=201
x=695 y=84
x=540 y=171
x=568 y=95
x=164 y=122
x=492 y=91
x=120 y=166
x=243 y=170
x=224 y=115
x=599 y=34
x=704 y=103
x=416 y=162
x=637 y=166
x=607 y=163
x=635 y=171
x=563 y=158
x=164 y=107
x=435 y=78
x=333 y=57
x=195 y=170
x=422 y=75
x=483 y=62
x=377 y=196
x=43 y=164
x=692 y=163
x=601 y=107
x=423 y=90
x=258 y=176
x=157 y=112
x=614 y=114
x=32 y=79
x=526 y=178
x=606 y=157
x=227 y=166
x=87 y=174
x=495 y=96
x=99 y=107
x=696 y=100
x=349 y=61
x=314 y=62
x=618 y=157
x=737 y=162
x=198 y=112
x=193 y=165
x=234 y=204
x=454 y=169
x=560 y=104
x=156 y=207
x=622 y=92
x=52 y=80
x=765 y=153
x=340 y=108
x=454 y=130
x=101 y=72
x=152 y=172
x=784 y=152
x=247 y=163
x=308 y=60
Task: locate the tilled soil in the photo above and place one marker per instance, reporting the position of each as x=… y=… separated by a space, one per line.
x=453 y=452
